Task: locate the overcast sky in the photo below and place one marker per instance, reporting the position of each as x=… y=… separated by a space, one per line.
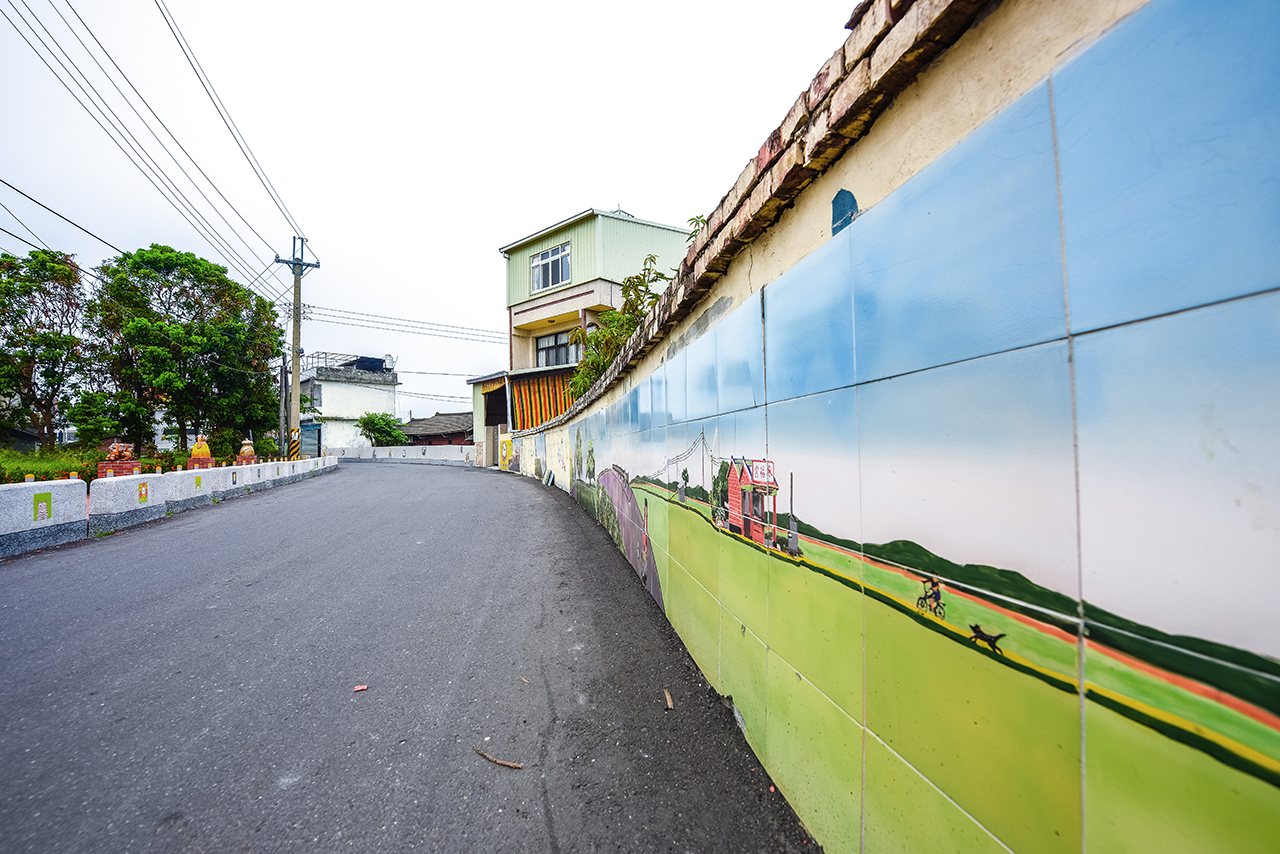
x=407 y=140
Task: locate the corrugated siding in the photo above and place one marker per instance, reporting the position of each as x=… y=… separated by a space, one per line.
x=582 y=258
x=627 y=243
x=538 y=400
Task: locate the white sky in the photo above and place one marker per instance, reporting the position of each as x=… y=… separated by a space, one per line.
x=408 y=140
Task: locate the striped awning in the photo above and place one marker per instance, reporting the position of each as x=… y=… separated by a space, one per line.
x=492 y=385
x=538 y=399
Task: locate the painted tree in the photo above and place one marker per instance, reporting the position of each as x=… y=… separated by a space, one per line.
x=591 y=461
x=720 y=488
x=42 y=308
x=577 y=455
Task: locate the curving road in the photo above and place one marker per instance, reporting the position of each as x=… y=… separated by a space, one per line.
x=187 y=685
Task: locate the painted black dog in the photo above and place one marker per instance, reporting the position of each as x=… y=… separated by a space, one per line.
x=979 y=636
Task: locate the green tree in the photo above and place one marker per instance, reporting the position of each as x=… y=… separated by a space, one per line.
x=94 y=416
x=42 y=308
x=175 y=333
x=602 y=344
x=591 y=461
x=720 y=487
x=381 y=429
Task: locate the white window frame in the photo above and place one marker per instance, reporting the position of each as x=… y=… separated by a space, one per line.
x=553 y=349
x=550 y=268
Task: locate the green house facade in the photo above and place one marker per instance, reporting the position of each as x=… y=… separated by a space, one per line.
x=563 y=276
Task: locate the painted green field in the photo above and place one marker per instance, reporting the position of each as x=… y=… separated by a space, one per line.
x=1000 y=734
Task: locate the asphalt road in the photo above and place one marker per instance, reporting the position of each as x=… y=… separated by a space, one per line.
x=187 y=685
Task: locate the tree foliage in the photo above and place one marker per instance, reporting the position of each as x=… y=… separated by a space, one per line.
x=381 y=429
x=601 y=345
x=173 y=334
x=42 y=306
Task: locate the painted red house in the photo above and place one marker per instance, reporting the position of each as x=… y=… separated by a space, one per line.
x=753 y=498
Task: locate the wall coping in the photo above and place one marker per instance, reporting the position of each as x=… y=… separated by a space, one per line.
x=890 y=44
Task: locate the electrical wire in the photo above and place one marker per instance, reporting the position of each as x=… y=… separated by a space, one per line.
x=438 y=373
x=240 y=141
x=445 y=326
x=24 y=225
x=406 y=331
x=123 y=310
x=152 y=131
x=105 y=243
x=138 y=158
x=175 y=139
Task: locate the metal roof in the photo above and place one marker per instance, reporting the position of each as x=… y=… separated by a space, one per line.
x=486 y=377
x=624 y=217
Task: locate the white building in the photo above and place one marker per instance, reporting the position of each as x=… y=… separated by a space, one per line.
x=342 y=387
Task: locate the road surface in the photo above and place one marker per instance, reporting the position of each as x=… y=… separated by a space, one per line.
x=188 y=685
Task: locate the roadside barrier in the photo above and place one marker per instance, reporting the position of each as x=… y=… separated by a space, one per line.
x=434 y=455
x=40 y=514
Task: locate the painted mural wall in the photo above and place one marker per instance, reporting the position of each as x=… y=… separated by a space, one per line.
x=975 y=511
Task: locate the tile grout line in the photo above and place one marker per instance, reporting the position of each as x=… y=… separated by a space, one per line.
x=1075 y=452
x=862 y=594
x=867 y=731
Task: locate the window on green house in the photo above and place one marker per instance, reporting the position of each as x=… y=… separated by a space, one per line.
x=550 y=268
x=556 y=350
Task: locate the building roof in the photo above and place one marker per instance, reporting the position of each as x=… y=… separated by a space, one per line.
x=439 y=424
x=486 y=377
x=619 y=214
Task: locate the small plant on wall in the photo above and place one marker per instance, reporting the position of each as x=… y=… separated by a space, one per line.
x=601 y=345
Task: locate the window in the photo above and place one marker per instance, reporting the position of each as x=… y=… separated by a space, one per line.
x=556 y=350
x=550 y=268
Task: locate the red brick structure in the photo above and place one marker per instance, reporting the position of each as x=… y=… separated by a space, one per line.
x=119 y=468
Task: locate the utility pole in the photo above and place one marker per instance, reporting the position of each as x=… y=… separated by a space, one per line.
x=295 y=393
x=284 y=398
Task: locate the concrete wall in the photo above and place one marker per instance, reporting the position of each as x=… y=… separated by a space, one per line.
x=346 y=395
x=41 y=514
x=46 y=513
x=1040 y=367
x=424 y=454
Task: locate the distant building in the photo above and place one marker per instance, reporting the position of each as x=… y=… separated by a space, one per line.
x=443 y=428
x=341 y=388
x=559 y=279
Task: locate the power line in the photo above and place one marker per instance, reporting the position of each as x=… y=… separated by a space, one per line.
x=118 y=131
x=138 y=158
x=16 y=237
x=124 y=310
x=223 y=114
x=24 y=225
x=492 y=332
x=103 y=109
x=58 y=215
x=154 y=135
x=406 y=331
x=437 y=373
x=166 y=127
